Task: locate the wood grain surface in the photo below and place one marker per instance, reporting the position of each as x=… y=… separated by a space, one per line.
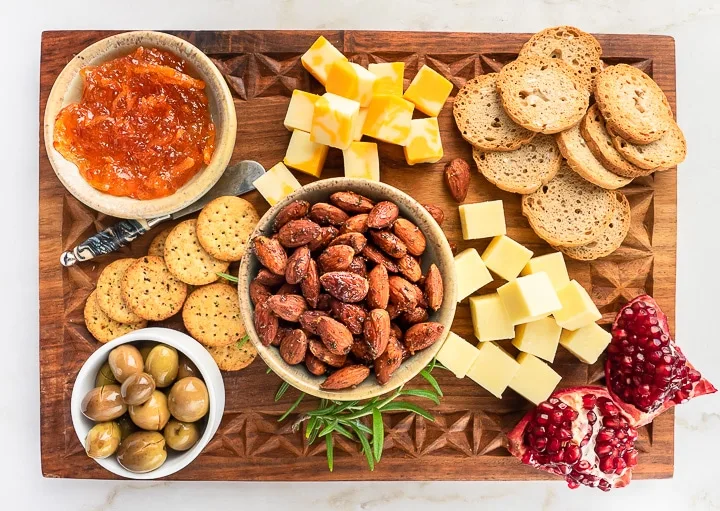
x=467 y=439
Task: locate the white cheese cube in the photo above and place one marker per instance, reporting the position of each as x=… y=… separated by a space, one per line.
x=490 y=319
x=529 y=298
x=471 y=273
x=457 y=354
x=506 y=257
x=482 y=220
x=539 y=338
x=552 y=264
x=493 y=369
x=578 y=309
x=534 y=380
x=586 y=343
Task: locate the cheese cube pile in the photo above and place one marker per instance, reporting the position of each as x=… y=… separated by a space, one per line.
x=534 y=379
x=529 y=298
x=351 y=81
x=305 y=155
x=388 y=119
x=491 y=321
x=539 y=338
x=457 y=355
x=389 y=77
x=578 y=309
x=493 y=369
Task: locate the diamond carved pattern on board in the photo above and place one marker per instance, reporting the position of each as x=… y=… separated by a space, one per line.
x=615 y=281
x=235 y=69
x=266 y=437
x=276 y=74
x=494 y=62
x=456 y=68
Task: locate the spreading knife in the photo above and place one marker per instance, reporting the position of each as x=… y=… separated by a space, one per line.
x=236 y=180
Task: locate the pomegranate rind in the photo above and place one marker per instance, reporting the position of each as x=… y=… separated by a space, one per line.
x=516 y=444
x=639 y=417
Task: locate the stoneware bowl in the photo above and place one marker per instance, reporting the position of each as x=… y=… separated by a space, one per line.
x=437 y=251
x=184 y=344
x=68 y=89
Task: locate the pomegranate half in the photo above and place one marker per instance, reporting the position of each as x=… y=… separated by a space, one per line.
x=581 y=435
x=646 y=372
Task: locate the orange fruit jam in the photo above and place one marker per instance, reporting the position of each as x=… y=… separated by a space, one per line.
x=142 y=128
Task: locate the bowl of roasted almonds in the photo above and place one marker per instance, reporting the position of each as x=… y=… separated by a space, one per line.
x=349 y=289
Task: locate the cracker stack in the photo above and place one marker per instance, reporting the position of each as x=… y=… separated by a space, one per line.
x=131 y=292
x=534 y=133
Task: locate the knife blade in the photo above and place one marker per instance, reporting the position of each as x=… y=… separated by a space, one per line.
x=236 y=180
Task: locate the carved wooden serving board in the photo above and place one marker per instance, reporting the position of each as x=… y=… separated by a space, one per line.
x=466 y=441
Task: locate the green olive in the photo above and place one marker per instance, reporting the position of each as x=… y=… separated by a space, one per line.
x=137 y=388
x=186 y=368
x=162 y=365
x=188 y=399
x=127 y=426
x=142 y=451
x=145 y=348
x=153 y=414
x=181 y=436
x=103 y=404
x=124 y=361
x=105 y=376
x=102 y=440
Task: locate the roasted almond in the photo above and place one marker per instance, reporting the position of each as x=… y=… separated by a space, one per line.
x=335 y=258
x=410 y=268
x=420 y=336
x=315 y=365
x=361 y=351
x=437 y=213
x=434 y=288
x=457 y=178
x=379 y=288
x=287 y=307
x=324 y=301
x=413 y=316
x=296 y=233
x=282 y=332
x=288 y=289
x=371 y=253
x=350 y=315
x=420 y=297
x=293 y=211
x=268 y=278
x=356 y=223
x=297 y=265
x=358 y=266
x=327 y=214
x=258 y=292
x=355 y=240
x=346 y=377
x=393 y=310
x=402 y=293
x=345 y=286
x=387 y=363
x=294 y=347
x=271 y=254
x=351 y=202
x=396 y=331
x=266 y=323
x=382 y=215
x=319 y=350
x=323 y=238
x=335 y=336
x=310 y=285
x=376 y=331
x=389 y=243
x=309 y=320
x=411 y=236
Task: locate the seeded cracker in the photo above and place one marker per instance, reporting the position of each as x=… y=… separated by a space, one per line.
x=109 y=296
x=157 y=245
x=224 y=227
x=151 y=291
x=187 y=260
x=101 y=326
x=212 y=315
x=232 y=358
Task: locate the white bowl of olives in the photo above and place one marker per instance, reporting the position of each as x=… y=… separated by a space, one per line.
x=146 y=404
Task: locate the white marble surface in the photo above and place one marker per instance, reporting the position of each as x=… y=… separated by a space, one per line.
x=696 y=26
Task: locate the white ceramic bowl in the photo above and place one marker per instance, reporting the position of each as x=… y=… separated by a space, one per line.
x=68 y=89
x=186 y=345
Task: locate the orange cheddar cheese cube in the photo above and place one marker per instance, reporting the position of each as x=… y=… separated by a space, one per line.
x=333 y=121
x=388 y=119
x=351 y=81
x=276 y=184
x=359 y=122
x=320 y=57
x=300 y=110
x=389 y=77
x=428 y=91
x=424 y=145
x=361 y=161
x=305 y=155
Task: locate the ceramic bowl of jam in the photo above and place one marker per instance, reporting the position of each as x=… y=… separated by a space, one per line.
x=139 y=125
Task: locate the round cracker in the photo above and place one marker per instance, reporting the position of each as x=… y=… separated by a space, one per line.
x=224 y=227
x=101 y=326
x=232 y=358
x=157 y=245
x=109 y=296
x=212 y=315
x=187 y=260
x=151 y=291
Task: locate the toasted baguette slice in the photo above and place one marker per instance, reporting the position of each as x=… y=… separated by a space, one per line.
x=523 y=170
x=592 y=129
x=611 y=236
x=633 y=105
x=576 y=48
x=480 y=117
x=662 y=154
x=542 y=94
x=583 y=161
x=569 y=210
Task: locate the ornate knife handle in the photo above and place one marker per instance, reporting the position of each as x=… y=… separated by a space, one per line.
x=110 y=240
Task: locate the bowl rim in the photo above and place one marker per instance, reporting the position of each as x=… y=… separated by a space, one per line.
x=126 y=207
x=212 y=377
x=271 y=358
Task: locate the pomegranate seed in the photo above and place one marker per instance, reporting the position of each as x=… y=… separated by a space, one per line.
x=553 y=401
x=553 y=445
x=611 y=422
x=620 y=466
x=603 y=449
x=545 y=407
x=591 y=417
x=589 y=401
x=583 y=466
x=557 y=457
x=564 y=434
x=604 y=485
x=543 y=418
x=620 y=435
x=538 y=431
x=631 y=457
x=557 y=416
x=539 y=443
x=572 y=454
x=573 y=484
x=607 y=465
x=552 y=430
x=605 y=434
x=570 y=415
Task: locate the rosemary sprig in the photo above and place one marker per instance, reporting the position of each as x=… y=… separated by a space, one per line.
x=227 y=276
x=242 y=341
x=358 y=421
